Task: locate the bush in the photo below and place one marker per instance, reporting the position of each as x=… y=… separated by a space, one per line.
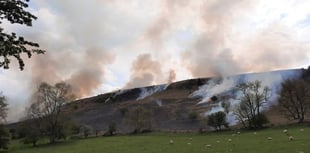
x=260 y=120
x=217 y=120
x=4 y=137
x=139 y=118
x=87 y=130
x=193 y=115
x=32 y=136
x=112 y=129
x=14 y=133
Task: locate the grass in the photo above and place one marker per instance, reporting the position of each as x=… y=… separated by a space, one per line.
x=246 y=142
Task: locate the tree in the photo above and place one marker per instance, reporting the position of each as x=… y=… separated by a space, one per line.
x=4 y=137
x=86 y=130
x=4 y=132
x=3 y=108
x=112 y=129
x=140 y=118
x=47 y=107
x=295 y=99
x=12 y=45
x=217 y=120
x=32 y=131
x=226 y=105
x=253 y=96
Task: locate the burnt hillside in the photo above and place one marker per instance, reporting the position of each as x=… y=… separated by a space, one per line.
x=171 y=104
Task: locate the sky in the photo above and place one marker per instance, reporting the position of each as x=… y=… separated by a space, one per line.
x=100 y=46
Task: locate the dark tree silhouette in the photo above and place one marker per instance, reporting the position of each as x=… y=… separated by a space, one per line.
x=217 y=120
x=253 y=97
x=295 y=99
x=47 y=108
x=12 y=45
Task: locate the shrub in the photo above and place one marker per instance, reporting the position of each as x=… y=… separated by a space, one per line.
x=193 y=115
x=112 y=129
x=4 y=137
x=217 y=120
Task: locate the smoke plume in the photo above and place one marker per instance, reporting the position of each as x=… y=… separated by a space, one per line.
x=172 y=76
x=144 y=71
x=84 y=75
x=226 y=87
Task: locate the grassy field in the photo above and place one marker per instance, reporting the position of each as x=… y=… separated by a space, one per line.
x=223 y=142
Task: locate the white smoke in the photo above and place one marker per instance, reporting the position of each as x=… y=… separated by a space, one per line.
x=159 y=102
x=146 y=92
x=214 y=87
x=223 y=86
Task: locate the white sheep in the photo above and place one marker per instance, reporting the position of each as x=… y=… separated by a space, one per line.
x=285 y=131
x=291 y=138
x=229 y=140
x=269 y=138
x=301 y=130
x=238 y=133
x=171 y=142
x=254 y=133
x=208 y=145
x=189 y=143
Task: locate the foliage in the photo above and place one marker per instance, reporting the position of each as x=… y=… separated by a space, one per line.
x=76 y=129
x=4 y=137
x=112 y=128
x=13 y=132
x=32 y=134
x=86 y=130
x=140 y=119
x=217 y=120
x=3 y=108
x=4 y=133
x=252 y=99
x=260 y=119
x=193 y=115
x=47 y=106
x=226 y=106
x=295 y=99
x=12 y=45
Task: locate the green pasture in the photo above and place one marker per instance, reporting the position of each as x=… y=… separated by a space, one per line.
x=215 y=142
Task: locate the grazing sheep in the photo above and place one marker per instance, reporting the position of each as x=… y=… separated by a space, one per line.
x=254 y=133
x=291 y=138
x=233 y=135
x=269 y=138
x=218 y=141
x=238 y=133
x=285 y=131
x=171 y=142
x=208 y=146
x=301 y=130
x=189 y=143
x=229 y=140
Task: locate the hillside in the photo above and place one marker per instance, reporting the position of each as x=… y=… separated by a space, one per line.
x=171 y=104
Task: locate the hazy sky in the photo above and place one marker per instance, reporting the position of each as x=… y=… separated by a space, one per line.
x=104 y=45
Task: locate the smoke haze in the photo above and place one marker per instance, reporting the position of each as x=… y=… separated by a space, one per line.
x=101 y=46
